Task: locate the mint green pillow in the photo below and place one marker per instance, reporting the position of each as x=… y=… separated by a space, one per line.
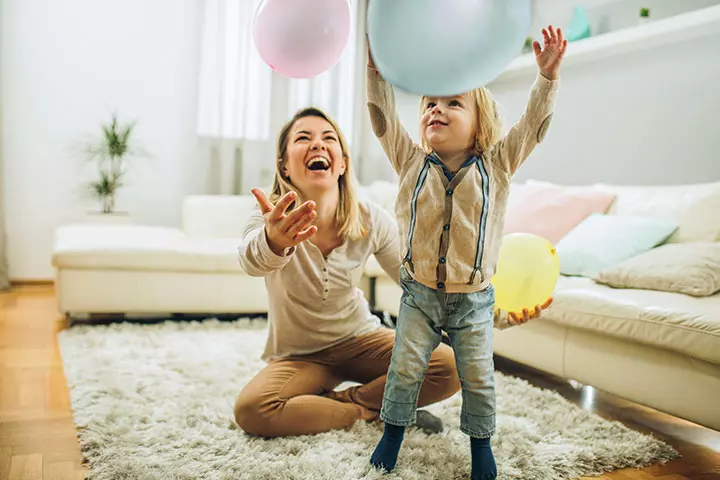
x=600 y=241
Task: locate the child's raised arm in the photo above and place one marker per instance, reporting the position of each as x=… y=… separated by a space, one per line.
x=396 y=142
x=530 y=130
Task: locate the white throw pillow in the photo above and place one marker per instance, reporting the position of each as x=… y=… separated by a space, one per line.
x=695 y=209
x=689 y=268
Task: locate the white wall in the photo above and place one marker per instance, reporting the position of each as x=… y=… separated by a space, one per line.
x=66 y=65
x=630 y=119
x=648 y=117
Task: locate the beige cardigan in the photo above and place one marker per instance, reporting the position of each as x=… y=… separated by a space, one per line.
x=452 y=229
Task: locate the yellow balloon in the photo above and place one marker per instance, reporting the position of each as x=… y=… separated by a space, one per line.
x=527 y=271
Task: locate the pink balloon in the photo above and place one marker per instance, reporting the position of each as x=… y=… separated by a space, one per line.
x=301 y=38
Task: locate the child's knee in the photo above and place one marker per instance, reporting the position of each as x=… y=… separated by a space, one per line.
x=478 y=383
x=410 y=372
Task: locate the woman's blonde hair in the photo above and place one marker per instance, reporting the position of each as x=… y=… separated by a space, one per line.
x=348 y=217
x=488 y=121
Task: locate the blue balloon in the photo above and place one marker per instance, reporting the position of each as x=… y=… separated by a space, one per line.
x=445 y=47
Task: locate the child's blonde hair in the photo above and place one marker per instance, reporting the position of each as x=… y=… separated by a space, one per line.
x=348 y=218
x=488 y=121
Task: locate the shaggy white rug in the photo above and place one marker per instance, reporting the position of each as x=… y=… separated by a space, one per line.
x=155 y=402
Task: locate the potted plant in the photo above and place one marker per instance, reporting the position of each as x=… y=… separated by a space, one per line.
x=111 y=153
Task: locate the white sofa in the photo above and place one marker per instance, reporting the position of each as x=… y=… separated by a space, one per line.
x=138 y=269
x=655 y=348
x=111 y=268
x=621 y=341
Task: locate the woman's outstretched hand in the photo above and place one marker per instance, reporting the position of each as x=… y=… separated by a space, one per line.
x=285 y=230
x=519 y=319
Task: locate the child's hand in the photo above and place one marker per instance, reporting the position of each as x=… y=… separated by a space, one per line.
x=550 y=56
x=517 y=319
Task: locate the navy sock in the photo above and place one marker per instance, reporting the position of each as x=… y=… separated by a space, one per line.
x=483 y=461
x=386 y=452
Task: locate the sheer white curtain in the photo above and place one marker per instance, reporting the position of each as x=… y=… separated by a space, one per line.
x=243 y=103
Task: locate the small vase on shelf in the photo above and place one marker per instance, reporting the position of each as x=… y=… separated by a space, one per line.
x=644 y=16
x=579 y=26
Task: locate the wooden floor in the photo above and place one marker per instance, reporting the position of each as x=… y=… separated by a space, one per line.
x=38 y=440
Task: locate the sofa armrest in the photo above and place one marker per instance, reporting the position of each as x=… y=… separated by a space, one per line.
x=216 y=216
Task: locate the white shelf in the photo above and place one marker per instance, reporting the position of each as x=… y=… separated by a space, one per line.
x=688 y=26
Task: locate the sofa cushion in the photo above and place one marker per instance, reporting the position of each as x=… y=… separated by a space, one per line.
x=604 y=240
x=688 y=325
x=689 y=268
x=216 y=216
x=383 y=193
x=551 y=211
x=694 y=208
x=139 y=247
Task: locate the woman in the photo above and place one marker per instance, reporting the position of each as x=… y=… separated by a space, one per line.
x=310 y=241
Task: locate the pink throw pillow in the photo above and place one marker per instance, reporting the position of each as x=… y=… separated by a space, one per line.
x=551 y=210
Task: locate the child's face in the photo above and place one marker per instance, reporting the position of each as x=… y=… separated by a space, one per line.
x=449 y=124
x=314 y=156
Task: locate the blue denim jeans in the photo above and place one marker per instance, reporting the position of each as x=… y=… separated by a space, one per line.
x=468 y=320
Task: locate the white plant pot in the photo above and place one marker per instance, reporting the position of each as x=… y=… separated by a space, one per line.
x=108 y=218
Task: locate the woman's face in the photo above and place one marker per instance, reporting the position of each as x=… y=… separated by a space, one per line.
x=314 y=156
